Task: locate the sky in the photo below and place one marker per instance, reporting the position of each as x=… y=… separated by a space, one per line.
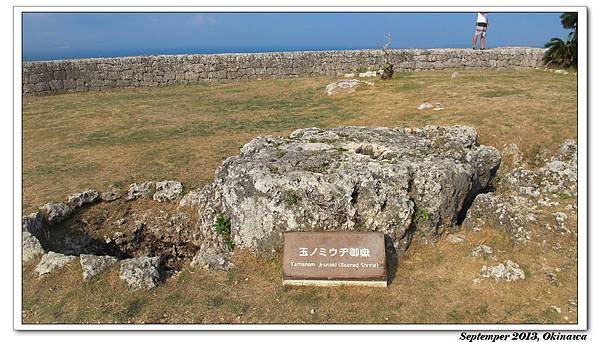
x=78 y=35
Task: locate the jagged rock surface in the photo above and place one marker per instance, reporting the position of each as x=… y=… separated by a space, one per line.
x=137 y=190
x=56 y=212
x=113 y=193
x=167 y=191
x=82 y=198
x=396 y=181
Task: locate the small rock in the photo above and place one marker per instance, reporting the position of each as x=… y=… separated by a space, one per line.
x=560 y=217
x=140 y=273
x=139 y=190
x=81 y=198
x=556 y=308
x=350 y=75
x=31 y=247
x=438 y=106
x=118 y=238
x=508 y=271
x=313 y=311
x=425 y=105
x=551 y=277
x=368 y=74
x=56 y=212
x=95 y=264
x=561 y=71
x=572 y=305
x=342 y=86
x=455 y=238
x=167 y=191
x=484 y=250
x=51 y=261
x=455 y=74
x=112 y=194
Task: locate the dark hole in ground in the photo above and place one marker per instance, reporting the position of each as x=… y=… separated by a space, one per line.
x=126 y=229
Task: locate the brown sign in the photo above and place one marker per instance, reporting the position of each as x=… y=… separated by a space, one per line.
x=334 y=258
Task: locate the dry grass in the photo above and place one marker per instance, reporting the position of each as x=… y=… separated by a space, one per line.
x=75 y=141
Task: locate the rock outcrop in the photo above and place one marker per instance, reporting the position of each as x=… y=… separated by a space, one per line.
x=525 y=195
x=398 y=181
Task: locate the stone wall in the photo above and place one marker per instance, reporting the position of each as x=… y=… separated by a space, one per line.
x=51 y=77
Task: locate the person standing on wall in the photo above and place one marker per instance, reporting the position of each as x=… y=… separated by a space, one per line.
x=481 y=29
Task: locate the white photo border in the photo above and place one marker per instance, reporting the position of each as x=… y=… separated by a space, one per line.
x=582 y=198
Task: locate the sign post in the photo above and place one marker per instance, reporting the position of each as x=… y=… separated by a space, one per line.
x=334 y=258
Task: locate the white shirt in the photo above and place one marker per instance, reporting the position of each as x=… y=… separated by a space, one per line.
x=482 y=18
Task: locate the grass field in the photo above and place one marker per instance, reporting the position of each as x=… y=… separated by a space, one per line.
x=76 y=141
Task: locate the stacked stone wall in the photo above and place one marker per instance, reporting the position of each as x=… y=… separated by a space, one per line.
x=51 y=77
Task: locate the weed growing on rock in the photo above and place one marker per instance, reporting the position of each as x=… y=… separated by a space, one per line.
x=222 y=227
x=291 y=199
x=424 y=214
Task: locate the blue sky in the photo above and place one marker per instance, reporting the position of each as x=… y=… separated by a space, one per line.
x=75 y=35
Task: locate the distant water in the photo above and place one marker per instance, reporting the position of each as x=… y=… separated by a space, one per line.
x=73 y=54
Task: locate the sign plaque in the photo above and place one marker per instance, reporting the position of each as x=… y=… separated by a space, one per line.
x=334 y=258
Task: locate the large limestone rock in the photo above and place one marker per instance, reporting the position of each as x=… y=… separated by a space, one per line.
x=395 y=180
x=140 y=273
